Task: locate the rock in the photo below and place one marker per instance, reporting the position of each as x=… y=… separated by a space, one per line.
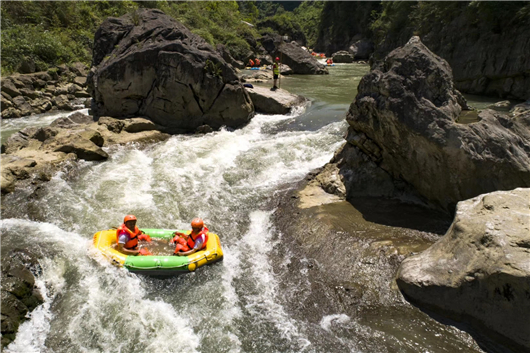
x=112 y=124
x=5 y=103
x=361 y=49
x=342 y=57
x=153 y=66
x=479 y=271
x=11 y=113
x=405 y=115
x=24 y=81
x=500 y=106
x=225 y=54
x=79 y=69
x=204 y=129
x=82 y=94
x=521 y=110
x=30 y=93
x=138 y=125
x=19 y=295
x=80 y=80
x=72 y=120
x=39 y=84
x=85 y=144
x=27 y=65
x=61 y=90
x=9 y=87
x=22 y=105
x=273 y=102
x=41 y=105
x=62 y=102
x=299 y=60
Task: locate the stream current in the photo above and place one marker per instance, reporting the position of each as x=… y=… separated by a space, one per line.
x=230 y=179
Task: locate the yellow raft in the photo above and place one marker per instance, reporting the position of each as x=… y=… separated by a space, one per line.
x=156 y=265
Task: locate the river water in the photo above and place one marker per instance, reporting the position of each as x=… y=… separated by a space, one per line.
x=230 y=179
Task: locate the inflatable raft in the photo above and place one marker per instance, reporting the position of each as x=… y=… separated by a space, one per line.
x=155 y=265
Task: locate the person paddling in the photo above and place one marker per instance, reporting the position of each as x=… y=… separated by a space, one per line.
x=195 y=241
x=127 y=236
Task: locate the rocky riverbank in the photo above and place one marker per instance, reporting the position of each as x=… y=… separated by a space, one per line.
x=404 y=138
x=61 y=88
x=404 y=141
x=479 y=272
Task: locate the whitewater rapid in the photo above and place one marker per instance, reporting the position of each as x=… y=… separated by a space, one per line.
x=229 y=179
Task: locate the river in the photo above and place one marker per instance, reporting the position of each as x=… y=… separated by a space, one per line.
x=230 y=179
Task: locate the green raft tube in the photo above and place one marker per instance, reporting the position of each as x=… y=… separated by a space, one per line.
x=155 y=265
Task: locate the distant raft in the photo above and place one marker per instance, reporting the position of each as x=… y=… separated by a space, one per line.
x=155 y=265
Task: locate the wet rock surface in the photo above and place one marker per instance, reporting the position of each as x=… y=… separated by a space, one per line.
x=19 y=294
x=279 y=101
x=479 y=272
x=62 y=88
x=150 y=65
x=342 y=258
x=33 y=155
x=404 y=133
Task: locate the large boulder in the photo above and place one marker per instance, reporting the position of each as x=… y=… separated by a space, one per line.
x=342 y=57
x=404 y=122
x=279 y=101
x=147 y=64
x=361 y=48
x=291 y=54
x=299 y=60
x=19 y=293
x=479 y=272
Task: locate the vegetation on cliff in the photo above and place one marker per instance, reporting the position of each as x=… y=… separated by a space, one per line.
x=49 y=33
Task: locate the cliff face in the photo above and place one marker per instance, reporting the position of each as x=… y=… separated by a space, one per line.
x=344 y=22
x=485 y=43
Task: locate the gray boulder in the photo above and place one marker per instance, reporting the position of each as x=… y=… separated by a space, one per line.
x=299 y=60
x=9 y=87
x=22 y=105
x=404 y=121
x=479 y=272
x=148 y=64
x=19 y=294
x=342 y=57
x=361 y=49
x=273 y=102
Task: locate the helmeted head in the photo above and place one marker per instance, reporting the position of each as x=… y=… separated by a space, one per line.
x=130 y=221
x=129 y=217
x=197 y=224
x=277 y=59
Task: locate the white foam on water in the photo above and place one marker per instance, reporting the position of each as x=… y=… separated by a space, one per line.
x=224 y=175
x=264 y=303
x=32 y=334
x=329 y=320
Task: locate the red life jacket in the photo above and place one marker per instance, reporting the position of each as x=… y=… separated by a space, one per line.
x=193 y=236
x=133 y=236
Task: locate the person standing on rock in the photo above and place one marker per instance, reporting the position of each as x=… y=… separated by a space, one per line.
x=276 y=73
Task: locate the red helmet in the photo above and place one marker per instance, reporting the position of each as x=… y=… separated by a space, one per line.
x=277 y=59
x=197 y=223
x=129 y=217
